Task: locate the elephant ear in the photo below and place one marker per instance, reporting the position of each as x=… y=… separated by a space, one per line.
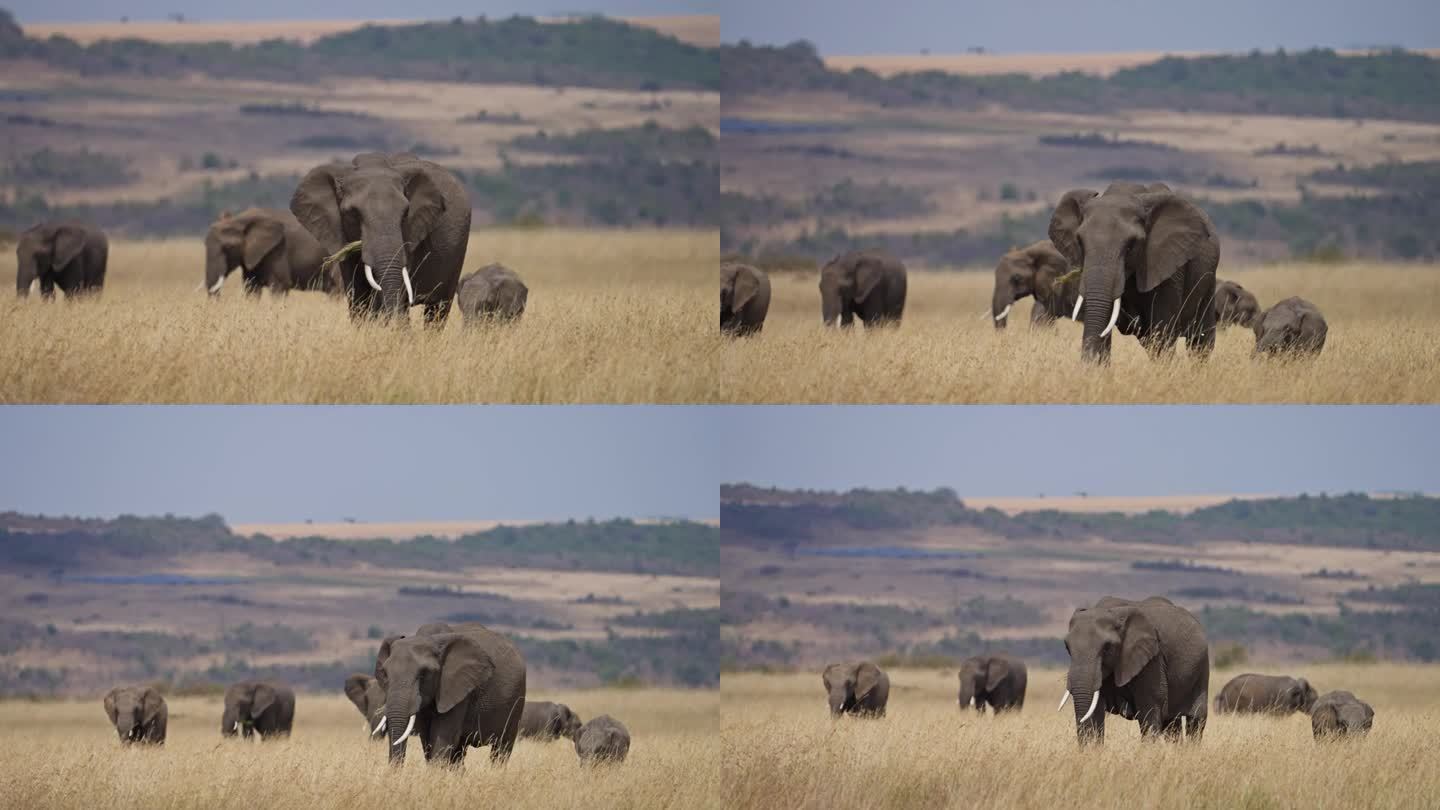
x=427 y=204
x=1066 y=220
x=996 y=673
x=867 y=677
x=868 y=273
x=1140 y=644
x=316 y=203
x=747 y=285
x=265 y=697
x=1176 y=230
x=261 y=237
x=380 y=656
x=150 y=706
x=355 y=687
x=69 y=241
x=465 y=668
x=110 y=705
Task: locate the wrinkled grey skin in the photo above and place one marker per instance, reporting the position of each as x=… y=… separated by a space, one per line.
x=1293 y=326
x=548 y=721
x=1340 y=714
x=492 y=293
x=270 y=249
x=1033 y=271
x=1235 y=305
x=1145 y=661
x=744 y=299
x=602 y=740
x=861 y=689
x=463 y=685
x=409 y=213
x=68 y=255
x=1151 y=249
x=266 y=708
x=138 y=713
x=1266 y=694
x=862 y=285
x=365 y=692
x=997 y=681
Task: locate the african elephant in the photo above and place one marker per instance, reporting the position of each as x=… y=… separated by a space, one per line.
x=266 y=708
x=494 y=292
x=1235 y=305
x=744 y=299
x=270 y=248
x=1340 y=714
x=68 y=255
x=1148 y=260
x=412 y=218
x=1145 y=661
x=548 y=721
x=138 y=713
x=1035 y=270
x=864 y=285
x=603 y=739
x=365 y=692
x=994 y=680
x=1269 y=694
x=1293 y=325
x=452 y=689
x=861 y=689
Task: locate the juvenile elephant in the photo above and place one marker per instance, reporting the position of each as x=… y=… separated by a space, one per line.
x=138 y=713
x=1148 y=257
x=270 y=249
x=548 y=721
x=861 y=689
x=1145 y=661
x=1235 y=305
x=365 y=692
x=1268 y=694
x=266 y=708
x=602 y=740
x=864 y=285
x=68 y=255
x=494 y=292
x=452 y=690
x=1034 y=271
x=1291 y=326
x=1340 y=714
x=994 y=680
x=412 y=218
x=744 y=299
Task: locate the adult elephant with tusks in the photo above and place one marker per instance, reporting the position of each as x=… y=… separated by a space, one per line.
x=1147 y=259
x=269 y=247
x=1037 y=270
x=68 y=255
x=1145 y=661
x=265 y=708
x=862 y=285
x=412 y=220
x=365 y=692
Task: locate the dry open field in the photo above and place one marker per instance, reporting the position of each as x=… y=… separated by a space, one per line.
x=1380 y=348
x=1030 y=64
x=612 y=317
x=781 y=749
x=71 y=759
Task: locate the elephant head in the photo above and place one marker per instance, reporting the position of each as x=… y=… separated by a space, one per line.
x=365 y=692
x=1023 y=272
x=1108 y=647
x=1292 y=324
x=431 y=674
x=239 y=240
x=738 y=287
x=389 y=203
x=1301 y=696
x=1129 y=235
x=46 y=248
x=848 y=684
x=244 y=702
x=1339 y=714
x=1235 y=304
x=132 y=709
x=844 y=279
x=979 y=675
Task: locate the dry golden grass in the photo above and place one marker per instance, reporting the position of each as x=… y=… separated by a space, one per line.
x=783 y=750
x=71 y=758
x=612 y=317
x=1381 y=348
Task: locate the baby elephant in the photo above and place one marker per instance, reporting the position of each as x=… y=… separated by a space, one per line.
x=548 y=721
x=861 y=689
x=1339 y=714
x=1235 y=305
x=603 y=739
x=265 y=708
x=744 y=299
x=997 y=681
x=1293 y=325
x=368 y=696
x=493 y=292
x=1268 y=694
x=138 y=713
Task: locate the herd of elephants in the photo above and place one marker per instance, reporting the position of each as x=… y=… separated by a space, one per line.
x=451 y=687
x=1146 y=661
x=1135 y=258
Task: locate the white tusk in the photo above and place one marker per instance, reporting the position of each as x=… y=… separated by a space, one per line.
x=1079 y=300
x=237 y=725
x=409 y=291
x=1183 y=733
x=1094 y=701
x=1004 y=312
x=837 y=321
x=370 y=277
x=1114 y=316
x=1063 y=698
x=972 y=701
x=219 y=282
x=408 y=728
x=379 y=727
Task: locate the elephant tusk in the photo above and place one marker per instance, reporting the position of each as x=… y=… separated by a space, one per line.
x=1114 y=316
x=1063 y=698
x=1079 y=300
x=379 y=727
x=1094 y=702
x=370 y=277
x=409 y=291
x=219 y=282
x=408 y=728
x=237 y=726
x=1004 y=312
x=972 y=701
x=1183 y=731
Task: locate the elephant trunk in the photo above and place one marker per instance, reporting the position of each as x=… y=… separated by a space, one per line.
x=1083 y=684
x=1101 y=308
x=830 y=307
x=1000 y=305
x=387 y=271
x=217 y=264
x=400 y=710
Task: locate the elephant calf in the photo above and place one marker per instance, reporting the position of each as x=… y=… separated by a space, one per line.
x=868 y=286
x=744 y=299
x=1235 y=305
x=546 y=721
x=1291 y=326
x=997 y=681
x=603 y=739
x=1340 y=714
x=266 y=708
x=365 y=692
x=494 y=292
x=861 y=689
x=68 y=255
x=1268 y=694
x=138 y=713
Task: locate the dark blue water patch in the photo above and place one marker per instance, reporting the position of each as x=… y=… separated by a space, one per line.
x=887 y=553
x=755 y=126
x=152 y=579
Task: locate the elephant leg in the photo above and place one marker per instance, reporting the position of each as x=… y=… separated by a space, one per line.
x=504 y=741
x=448 y=737
x=436 y=313
x=253 y=283
x=427 y=742
x=47 y=288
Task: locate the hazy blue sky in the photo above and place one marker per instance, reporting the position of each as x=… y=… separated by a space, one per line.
x=69 y=10
x=949 y=26
x=1024 y=451
x=370 y=463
